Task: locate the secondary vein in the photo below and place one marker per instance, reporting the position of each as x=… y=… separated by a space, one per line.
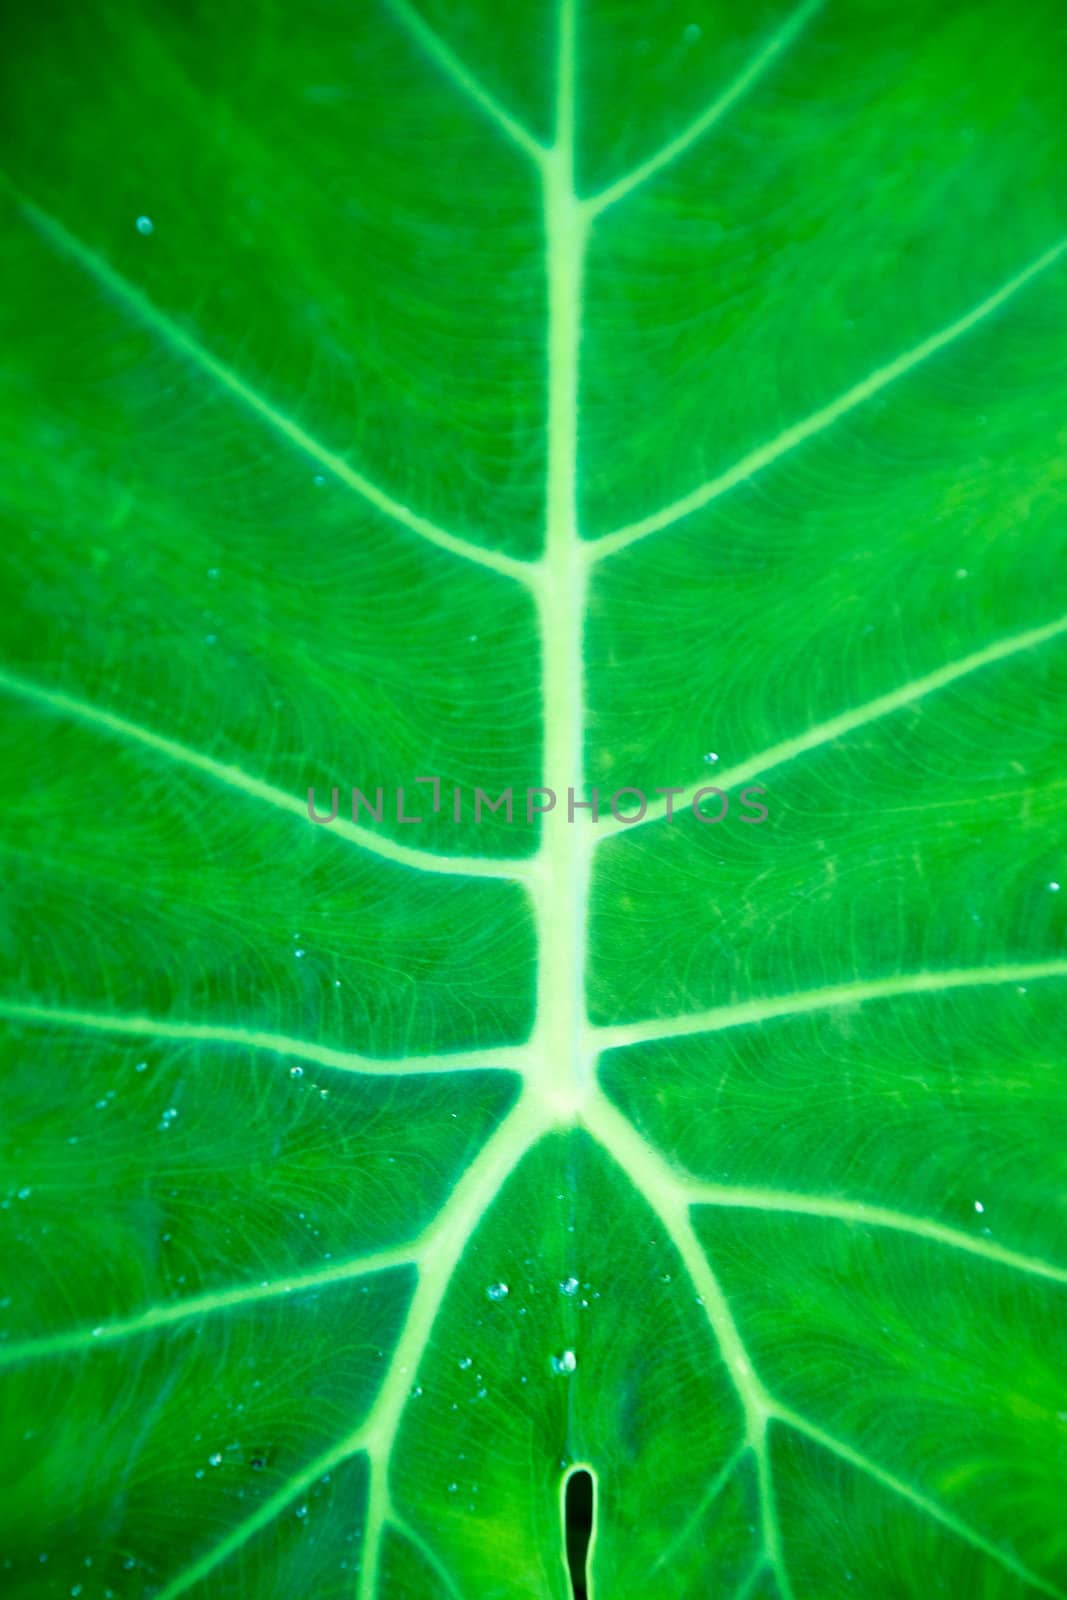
x=189 y=346
x=439 y=1250
x=236 y=778
x=922 y=1502
x=464 y=79
x=749 y=1012
x=665 y=1195
x=871 y=1216
x=746 y=79
x=203 y=1305
x=509 y=1058
x=824 y=418
x=846 y=722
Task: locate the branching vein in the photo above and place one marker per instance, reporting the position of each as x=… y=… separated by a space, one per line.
x=667 y=1194
x=438 y=1253
x=235 y=778
x=464 y=80
x=692 y=1523
x=655 y=1180
x=209 y=1304
x=869 y=1216
x=779 y=41
x=510 y=1058
x=426 y=1551
x=561 y=1090
x=820 y=420
x=824 y=733
x=920 y=1501
x=750 y=1012
x=471 y=1200
x=187 y=345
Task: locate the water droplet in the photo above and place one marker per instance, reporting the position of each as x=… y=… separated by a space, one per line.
x=711 y=757
x=215 y=1460
x=296 y=1072
x=24 y=1194
x=299 y=954
x=569 y=1286
x=324 y=1094
x=319 y=480
x=301 y=1511
x=452 y=1488
x=465 y=1362
x=565 y=1363
x=497 y=1291
x=1054 y=888
x=978 y=1206
x=142 y=1066
x=961 y=572
x=691 y=32
x=145 y=226
x=212 y=572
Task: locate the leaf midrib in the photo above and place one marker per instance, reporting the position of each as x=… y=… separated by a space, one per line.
x=560 y=879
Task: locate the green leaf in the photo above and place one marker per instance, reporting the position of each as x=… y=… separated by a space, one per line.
x=639 y=396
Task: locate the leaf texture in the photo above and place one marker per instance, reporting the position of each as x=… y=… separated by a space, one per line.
x=595 y=396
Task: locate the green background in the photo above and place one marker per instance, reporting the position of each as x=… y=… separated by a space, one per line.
x=265 y=1143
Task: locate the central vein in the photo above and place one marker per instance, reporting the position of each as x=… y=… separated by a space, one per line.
x=561 y=889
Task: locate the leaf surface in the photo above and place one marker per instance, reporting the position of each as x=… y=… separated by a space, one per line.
x=613 y=396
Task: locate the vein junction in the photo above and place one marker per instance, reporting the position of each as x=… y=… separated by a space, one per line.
x=560 y=1079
